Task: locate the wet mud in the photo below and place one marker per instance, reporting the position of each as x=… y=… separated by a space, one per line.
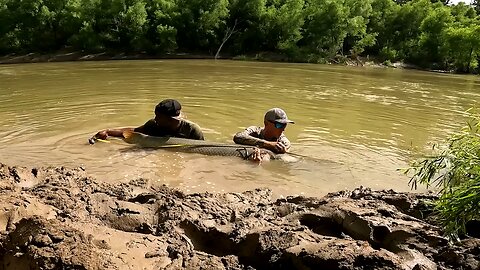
x=62 y=218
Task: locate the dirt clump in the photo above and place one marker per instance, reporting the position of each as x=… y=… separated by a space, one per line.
x=61 y=218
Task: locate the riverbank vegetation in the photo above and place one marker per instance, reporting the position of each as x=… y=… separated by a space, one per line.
x=456 y=171
x=426 y=33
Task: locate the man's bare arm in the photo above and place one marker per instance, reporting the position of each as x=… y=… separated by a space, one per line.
x=245 y=137
x=104 y=134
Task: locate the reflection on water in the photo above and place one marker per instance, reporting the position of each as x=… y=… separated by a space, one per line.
x=357 y=125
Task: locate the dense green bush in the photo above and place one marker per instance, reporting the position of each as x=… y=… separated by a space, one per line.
x=423 y=32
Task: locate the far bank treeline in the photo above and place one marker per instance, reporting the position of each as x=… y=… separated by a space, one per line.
x=430 y=35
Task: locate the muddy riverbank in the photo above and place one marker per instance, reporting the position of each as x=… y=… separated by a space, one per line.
x=62 y=218
x=65 y=56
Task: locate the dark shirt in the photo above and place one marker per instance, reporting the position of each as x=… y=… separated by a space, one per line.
x=186 y=129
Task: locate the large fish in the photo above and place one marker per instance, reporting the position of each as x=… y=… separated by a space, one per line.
x=197 y=146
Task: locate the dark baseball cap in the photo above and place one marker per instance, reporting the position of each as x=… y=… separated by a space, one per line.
x=277 y=115
x=169 y=107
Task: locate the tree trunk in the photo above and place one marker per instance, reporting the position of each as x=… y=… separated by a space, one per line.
x=228 y=34
x=469 y=60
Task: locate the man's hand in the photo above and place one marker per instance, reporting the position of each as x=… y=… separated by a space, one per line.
x=281 y=148
x=259 y=156
x=102 y=135
x=277 y=147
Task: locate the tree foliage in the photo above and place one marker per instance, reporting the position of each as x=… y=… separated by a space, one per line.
x=198 y=21
x=476 y=5
x=428 y=33
x=432 y=38
x=463 y=45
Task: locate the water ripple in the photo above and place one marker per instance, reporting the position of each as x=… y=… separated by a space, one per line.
x=357 y=125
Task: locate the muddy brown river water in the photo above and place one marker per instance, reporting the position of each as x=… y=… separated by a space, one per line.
x=358 y=125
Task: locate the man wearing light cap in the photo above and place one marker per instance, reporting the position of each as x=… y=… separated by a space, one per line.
x=168 y=122
x=271 y=136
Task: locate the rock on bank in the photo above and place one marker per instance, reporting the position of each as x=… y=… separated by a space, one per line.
x=60 y=218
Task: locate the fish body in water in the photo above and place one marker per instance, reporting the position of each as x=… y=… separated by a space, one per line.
x=196 y=146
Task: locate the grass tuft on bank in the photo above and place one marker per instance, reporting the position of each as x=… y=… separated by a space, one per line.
x=456 y=172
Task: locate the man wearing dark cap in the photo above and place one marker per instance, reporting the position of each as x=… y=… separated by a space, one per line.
x=271 y=136
x=168 y=122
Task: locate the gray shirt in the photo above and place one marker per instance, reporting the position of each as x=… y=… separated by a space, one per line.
x=255 y=135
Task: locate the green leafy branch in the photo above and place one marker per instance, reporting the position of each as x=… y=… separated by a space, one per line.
x=456 y=172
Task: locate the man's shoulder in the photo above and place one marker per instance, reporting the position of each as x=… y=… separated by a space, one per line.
x=251 y=131
x=254 y=128
x=149 y=125
x=188 y=123
x=150 y=122
x=190 y=130
x=254 y=131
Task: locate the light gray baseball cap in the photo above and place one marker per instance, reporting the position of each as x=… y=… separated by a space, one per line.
x=277 y=115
